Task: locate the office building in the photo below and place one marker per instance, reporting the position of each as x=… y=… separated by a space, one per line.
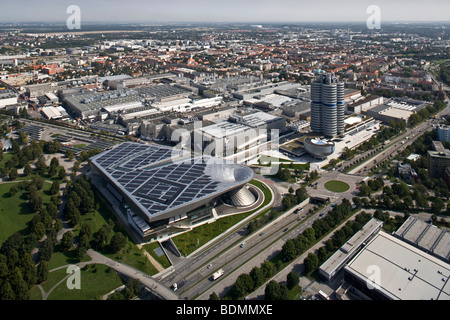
x=438 y=161
x=443 y=132
x=327 y=105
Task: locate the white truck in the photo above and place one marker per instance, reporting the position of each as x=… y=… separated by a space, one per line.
x=323 y=295
x=216 y=275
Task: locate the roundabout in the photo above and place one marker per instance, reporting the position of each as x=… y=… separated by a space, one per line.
x=337 y=186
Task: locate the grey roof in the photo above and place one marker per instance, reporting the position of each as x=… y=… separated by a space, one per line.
x=401 y=271
x=159 y=179
x=426 y=236
x=338 y=259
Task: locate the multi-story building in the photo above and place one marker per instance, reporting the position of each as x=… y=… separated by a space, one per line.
x=443 y=132
x=438 y=161
x=327 y=105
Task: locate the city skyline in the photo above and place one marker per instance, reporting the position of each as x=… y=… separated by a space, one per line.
x=288 y=11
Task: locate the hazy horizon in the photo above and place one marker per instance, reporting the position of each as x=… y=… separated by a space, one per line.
x=231 y=11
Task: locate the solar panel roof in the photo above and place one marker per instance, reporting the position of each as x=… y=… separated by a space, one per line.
x=159 y=179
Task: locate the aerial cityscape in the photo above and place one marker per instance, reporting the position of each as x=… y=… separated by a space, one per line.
x=228 y=151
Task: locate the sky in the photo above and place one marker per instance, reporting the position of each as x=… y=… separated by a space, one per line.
x=251 y=11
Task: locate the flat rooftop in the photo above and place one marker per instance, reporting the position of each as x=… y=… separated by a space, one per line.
x=336 y=261
x=426 y=236
x=396 y=113
x=405 y=272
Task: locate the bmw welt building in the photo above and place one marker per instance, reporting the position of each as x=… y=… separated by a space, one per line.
x=161 y=191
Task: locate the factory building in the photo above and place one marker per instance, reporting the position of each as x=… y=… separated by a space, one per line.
x=388 y=268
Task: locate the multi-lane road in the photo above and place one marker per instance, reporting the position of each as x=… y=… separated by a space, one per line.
x=234 y=250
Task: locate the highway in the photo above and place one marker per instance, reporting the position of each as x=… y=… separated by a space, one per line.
x=268 y=240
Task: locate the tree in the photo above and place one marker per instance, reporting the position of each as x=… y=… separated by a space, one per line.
x=134 y=286
x=213 y=296
x=13 y=190
x=23 y=137
x=42 y=272
x=310 y=234
x=35 y=201
x=80 y=252
x=54 y=189
x=101 y=236
x=118 y=242
x=6 y=291
x=13 y=175
x=437 y=205
x=18 y=284
x=258 y=276
x=243 y=285
x=28 y=269
x=72 y=212
x=52 y=210
x=268 y=269
x=70 y=155
x=322 y=254
x=364 y=190
x=27 y=170
x=67 y=241
x=272 y=291
x=288 y=250
x=38 y=229
x=311 y=263
x=46 y=250
x=61 y=173
x=292 y=279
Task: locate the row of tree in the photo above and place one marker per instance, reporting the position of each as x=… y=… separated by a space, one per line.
x=80 y=200
x=293 y=248
x=425 y=113
x=313 y=260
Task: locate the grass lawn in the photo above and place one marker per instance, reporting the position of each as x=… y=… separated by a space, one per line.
x=64 y=258
x=53 y=278
x=336 y=186
x=131 y=255
x=96 y=281
x=134 y=257
x=162 y=259
x=35 y=293
x=188 y=243
x=6 y=157
x=14 y=211
x=295 y=293
x=265 y=159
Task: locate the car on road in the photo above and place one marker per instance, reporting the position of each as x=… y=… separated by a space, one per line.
x=209 y=266
x=261 y=234
x=242 y=244
x=321 y=215
x=286 y=229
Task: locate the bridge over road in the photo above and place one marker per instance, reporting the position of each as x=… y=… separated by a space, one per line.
x=155 y=287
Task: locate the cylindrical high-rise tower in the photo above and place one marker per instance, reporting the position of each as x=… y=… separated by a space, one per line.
x=327 y=105
x=316 y=106
x=340 y=107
